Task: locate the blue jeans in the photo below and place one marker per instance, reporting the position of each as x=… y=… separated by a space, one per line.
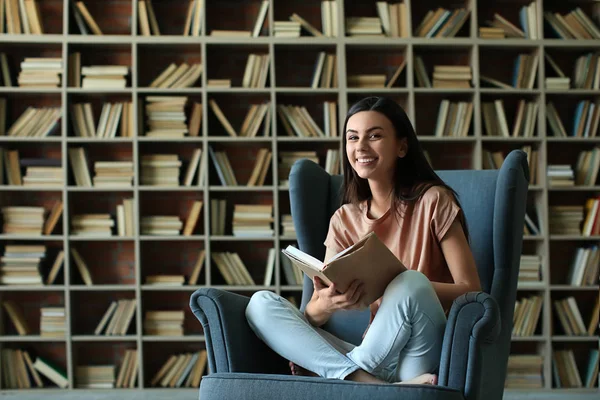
x=404 y=340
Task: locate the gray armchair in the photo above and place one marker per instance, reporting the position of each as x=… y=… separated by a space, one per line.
x=477 y=338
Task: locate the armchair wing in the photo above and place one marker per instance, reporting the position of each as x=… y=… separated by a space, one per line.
x=231 y=344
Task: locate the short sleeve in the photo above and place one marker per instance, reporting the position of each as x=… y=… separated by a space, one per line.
x=334 y=239
x=443 y=210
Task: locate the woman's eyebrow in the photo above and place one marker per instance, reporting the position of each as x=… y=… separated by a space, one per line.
x=368 y=130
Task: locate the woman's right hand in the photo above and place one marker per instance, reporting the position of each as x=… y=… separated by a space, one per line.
x=330 y=300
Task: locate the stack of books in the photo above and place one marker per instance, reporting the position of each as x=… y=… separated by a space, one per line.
x=524 y=371
x=530 y=268
x=561 y=175
x=164 y=323
x=40 y=72
x=363 y=26
x=104 y=76
x=23 y=220
x=52 y=322
x=256 y=71
x=565 y=219
x=92 y=225
x=181 y=370
x=287 y=226
x=442 y=22
x=367 y=81
x=165 y=280
x=454 y=118
x=575 y=24
x=165 y=116
x=117 y=318
x=20 y=264
x=164 y=225
x=252 y=220
x=394 y=18
x=526 y=71
x=289 y=29
x=491 y=32
x=95 y=376
x=452 y=76
x=113 y=173
x=160 y=169
x=43 y=175
x=558 y=83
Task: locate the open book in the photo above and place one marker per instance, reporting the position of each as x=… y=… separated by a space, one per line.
x=368 y=260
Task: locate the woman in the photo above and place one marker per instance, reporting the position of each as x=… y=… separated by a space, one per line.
x=389 y=188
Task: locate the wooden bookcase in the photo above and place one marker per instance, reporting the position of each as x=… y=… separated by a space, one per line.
x=119 y=265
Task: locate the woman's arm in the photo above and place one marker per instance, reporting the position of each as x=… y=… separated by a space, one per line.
x=461 y=263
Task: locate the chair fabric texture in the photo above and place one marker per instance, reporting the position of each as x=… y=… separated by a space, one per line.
x=477 y=338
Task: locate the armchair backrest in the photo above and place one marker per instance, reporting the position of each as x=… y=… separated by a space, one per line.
x=493 y=202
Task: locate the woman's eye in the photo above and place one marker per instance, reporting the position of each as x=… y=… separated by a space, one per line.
x=375 y=136
x=352 y=138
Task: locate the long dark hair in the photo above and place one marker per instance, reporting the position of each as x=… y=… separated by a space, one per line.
x=413 y=175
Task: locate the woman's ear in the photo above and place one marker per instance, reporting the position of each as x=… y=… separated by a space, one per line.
x=402 y=147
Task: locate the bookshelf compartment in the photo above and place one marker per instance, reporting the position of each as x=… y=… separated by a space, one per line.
x=177 y=206
x=46 y=199
x=235 y=18
x=184 y=120
x=154 y=59
x=581 y=353
x=155 y=357
x=509 y=11
x=227 y=113
x=113 y=17
x=428 y=59
x=444 y=120
x=170 y=17
x=528 y=373
x=16 y=53
x=516 y=67
x=510 y=116
x=533 y=271
x=574 y=114
x=585 y=302
x=290 y=152
x=385 y=68
x=91 y=115
x=309 y=10
x=172 y=176
x=30 y=304
x=101 y=55
x=254 y=258
x=570 y=156
x=227 y=66
x=53 y=353
x=572 y=63
x=103 y=354
x=367 y=20
x=176 y=258
x=306 y=66
x=95 y=156
x=243 y=158
x=221 y=223
x=46 y=265
x=564 y=9
x=108 y=263
x=450 y=155
x=564 y=262
x=178 y=302
x=420 y=10
x=88 y=309
x=17 y=104
x=102 y=202
x=321 y=108
x=28 y=158
x=528 y=316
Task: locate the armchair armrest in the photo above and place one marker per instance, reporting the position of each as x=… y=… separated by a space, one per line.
x=472 y=328
x=231 y=344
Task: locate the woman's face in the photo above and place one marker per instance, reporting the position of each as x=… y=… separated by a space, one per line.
x=372 y=147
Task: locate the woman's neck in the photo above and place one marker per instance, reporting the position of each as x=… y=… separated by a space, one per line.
x=381 y=198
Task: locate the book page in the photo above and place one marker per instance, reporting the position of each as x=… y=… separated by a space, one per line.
x=303 y=257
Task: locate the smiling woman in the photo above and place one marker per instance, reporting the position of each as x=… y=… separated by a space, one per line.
x=389 y=189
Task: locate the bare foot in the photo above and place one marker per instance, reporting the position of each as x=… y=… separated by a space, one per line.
x=299 y=371
x=425 y=379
